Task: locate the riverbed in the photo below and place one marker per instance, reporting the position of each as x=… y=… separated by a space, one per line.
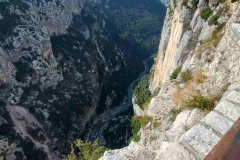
x=112 y=128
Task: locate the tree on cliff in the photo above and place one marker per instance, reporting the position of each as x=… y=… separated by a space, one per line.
x=85 y=151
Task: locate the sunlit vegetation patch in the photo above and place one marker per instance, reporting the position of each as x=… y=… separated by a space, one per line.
x=211 y=43
x=186 y=76
x=176 y=73
x=199 y=76
x=200 y=102
x=214 y=19
x=136 y=124
x=195 y=3
x=189 y=98
x=206 y=13
x=85 y=151
x=142 y=93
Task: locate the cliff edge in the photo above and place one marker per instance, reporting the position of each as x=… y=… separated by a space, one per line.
x=194 y=83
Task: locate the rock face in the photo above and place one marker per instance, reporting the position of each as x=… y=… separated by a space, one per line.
x=133 y=151
x=176 y=43
x=61 y=65
x=210 y=52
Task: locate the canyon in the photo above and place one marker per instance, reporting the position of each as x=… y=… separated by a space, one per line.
x=63 y=64
x=80 y=69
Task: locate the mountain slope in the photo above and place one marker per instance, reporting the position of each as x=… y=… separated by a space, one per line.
x=62 y=65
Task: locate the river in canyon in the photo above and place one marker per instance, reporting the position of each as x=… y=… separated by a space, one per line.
x=112 y=128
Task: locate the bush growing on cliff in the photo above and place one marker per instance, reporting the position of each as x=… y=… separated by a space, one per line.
x=85 y=151
x=176 y=73
x=136 y=124
x=195 y=3
x=212 y=42
x=185 y=76
x=201 y=102
x=216 y=36
x=206 y=13
x=214 y=19
x=141 y=92
x=175 y=3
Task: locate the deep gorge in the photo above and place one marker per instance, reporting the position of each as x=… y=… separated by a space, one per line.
x=65 y=63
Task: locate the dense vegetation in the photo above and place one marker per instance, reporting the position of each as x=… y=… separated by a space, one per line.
x=201 y=102
x=137 y=21
x=195 y=3
x=142 y=93
x=136 y=124
x=206 y=13
x=176 y=72
x=85 y=151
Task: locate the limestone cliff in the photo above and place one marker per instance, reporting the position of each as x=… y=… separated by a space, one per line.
x=203 y=38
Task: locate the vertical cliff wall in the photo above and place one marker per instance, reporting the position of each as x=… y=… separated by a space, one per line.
x=184 y=28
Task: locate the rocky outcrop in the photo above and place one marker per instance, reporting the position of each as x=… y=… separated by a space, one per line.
x=199 y=47
x=133 y=151
x=177 y=41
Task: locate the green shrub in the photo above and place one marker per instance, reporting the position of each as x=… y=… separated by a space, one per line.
x=173 y=114
x=206 y=13
x=185 y=76
x=141 y=91
x=175 y=73
x=218 y=29
x=135 y=138
x=201 y=102
x=136 y=124
x=86 y=151
x=210 y=43
x=175 y=3
x=214 y=18
x=195 y=3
